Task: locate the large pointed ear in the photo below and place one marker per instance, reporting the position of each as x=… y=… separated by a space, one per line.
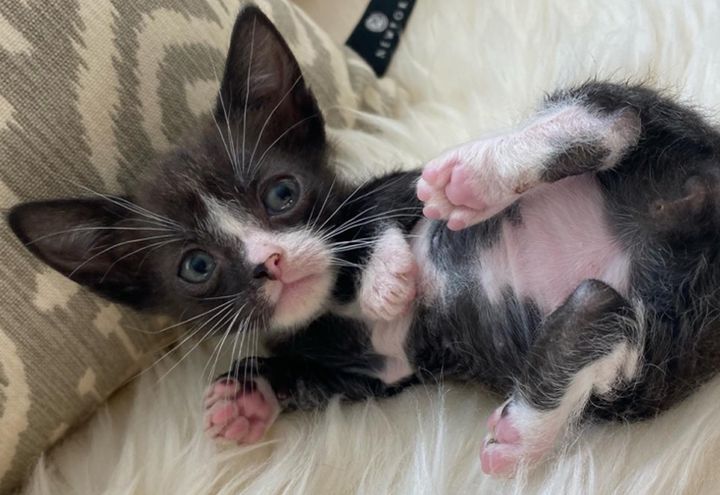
x=91 y=241
x=263 y=83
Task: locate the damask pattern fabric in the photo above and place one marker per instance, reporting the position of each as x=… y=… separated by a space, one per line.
x=90 y=92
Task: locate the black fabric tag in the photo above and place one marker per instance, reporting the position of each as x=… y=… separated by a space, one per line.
x=377 y=35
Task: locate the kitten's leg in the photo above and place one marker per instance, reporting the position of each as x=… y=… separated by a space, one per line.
x=241 y=405
x=589 y=347
x=387 y=286
x=382 y=270
x=584 y=130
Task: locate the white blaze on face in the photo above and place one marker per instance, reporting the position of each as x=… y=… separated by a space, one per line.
x=303 y=288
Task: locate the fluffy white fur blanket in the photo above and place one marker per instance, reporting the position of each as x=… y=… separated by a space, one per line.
x=469 y=68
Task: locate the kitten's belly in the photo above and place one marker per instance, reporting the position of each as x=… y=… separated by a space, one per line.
x=562 y=239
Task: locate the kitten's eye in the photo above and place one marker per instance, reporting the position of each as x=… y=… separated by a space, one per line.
x=196 y=267
x=281 y=196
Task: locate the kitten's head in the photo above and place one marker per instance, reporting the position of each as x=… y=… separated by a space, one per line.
x=235 y=221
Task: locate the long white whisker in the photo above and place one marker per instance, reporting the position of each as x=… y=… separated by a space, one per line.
x=115 y=246
x=221 y=344
x=247 y=90
x=332 y=232
x=217 y=125
x=272 y=145
x=322 y=208
x=237 y=356
x=227 y=312
x=217 y=350
x=256 y=331
x=184 y=322
x=233 y=158
x=272 y=112
x=341 y=205
x=218 y=309
x=237 y=353
x=230 y=327
x=382 y=186
x=222 y=137
x=130 y=206
x=356 y=222
x=137 y=251
x=343 y=263
x=373 y=218
x=215 y=298
x=91 y=229
x=140 y=210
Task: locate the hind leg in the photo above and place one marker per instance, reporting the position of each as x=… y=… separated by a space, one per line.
x=476 y=180
x=588 y=347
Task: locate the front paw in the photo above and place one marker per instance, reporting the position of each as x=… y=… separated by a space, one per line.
x=470 y=184
x=388 y=285
x=239 y=412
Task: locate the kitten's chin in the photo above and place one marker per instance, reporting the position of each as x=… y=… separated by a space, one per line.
x=298 y=302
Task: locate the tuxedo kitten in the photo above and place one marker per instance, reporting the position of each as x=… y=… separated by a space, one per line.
x=246 y=224
x=570 y=265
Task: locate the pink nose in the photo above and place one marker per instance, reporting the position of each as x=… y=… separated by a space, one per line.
x=270 y=269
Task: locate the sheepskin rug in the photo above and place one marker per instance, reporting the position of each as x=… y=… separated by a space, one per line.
x=469 y=68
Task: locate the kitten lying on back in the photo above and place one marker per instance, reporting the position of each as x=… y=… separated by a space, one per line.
x=571 y=267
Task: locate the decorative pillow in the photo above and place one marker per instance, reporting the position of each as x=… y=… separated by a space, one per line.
x=90 y=91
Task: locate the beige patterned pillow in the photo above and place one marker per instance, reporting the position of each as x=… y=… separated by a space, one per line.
x=90 y=91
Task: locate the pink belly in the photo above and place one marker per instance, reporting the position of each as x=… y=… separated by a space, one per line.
x=562 y=240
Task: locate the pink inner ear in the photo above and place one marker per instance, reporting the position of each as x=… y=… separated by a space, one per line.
x=268 y=72
x=259 y=63
x=263 y=84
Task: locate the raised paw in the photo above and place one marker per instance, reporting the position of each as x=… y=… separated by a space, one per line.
x=514 y=438
x=470 y=184
x=239 y=413
x=388 y=286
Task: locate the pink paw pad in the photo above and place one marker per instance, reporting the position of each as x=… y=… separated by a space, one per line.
x=465 y=186
x=239 y=413
x=463 y=191
x=505 y=448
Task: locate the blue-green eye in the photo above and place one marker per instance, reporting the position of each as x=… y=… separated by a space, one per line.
x=197 y=267
x=281 y=196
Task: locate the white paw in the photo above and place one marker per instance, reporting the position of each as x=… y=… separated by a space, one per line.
x=477 y=180
x=472 y=183
x=388 y=286
x=239 y=413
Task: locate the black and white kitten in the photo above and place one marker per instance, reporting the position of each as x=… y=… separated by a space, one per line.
x=571 y=265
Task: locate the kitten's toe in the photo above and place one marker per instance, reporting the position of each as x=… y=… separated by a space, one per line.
x=239 y=413
x=430 y=189
x=465 y=187
x=436 y=172
x=389 y=296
